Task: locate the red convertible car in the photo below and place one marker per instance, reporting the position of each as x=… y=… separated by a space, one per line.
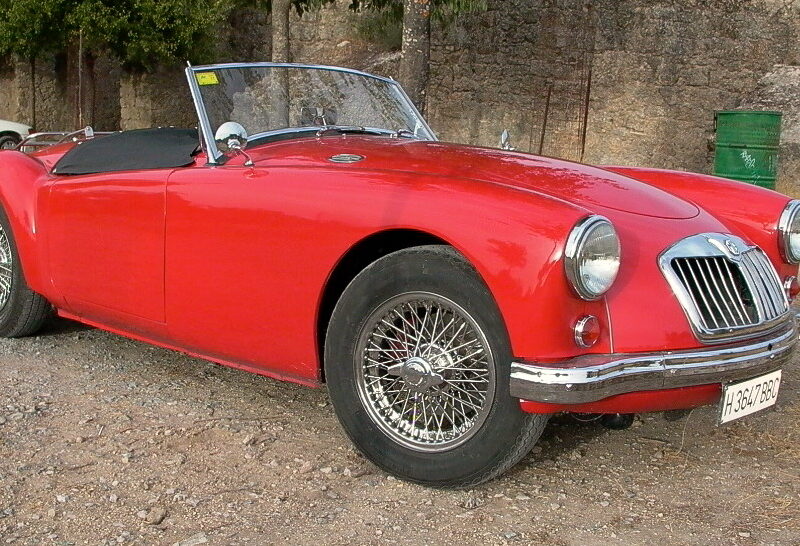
x=451 y=297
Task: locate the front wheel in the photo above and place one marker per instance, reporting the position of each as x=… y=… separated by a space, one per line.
x=417 y=361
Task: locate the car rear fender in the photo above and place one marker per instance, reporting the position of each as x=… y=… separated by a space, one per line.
x=21 y=182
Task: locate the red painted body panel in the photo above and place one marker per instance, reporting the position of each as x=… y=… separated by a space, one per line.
x=278 y=231
x=231 y=262
x=110 y=251
x=21 y=195
x=238 y=365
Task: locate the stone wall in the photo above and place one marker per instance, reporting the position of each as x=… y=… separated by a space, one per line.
x=606 y=81
x=157 y=99
x=42 y=86
x=9 y=94
x=55 y=81
x=162 y=98
x=779 y=89
x=640 y=80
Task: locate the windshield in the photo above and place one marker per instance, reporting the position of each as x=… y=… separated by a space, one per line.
x=271 y=99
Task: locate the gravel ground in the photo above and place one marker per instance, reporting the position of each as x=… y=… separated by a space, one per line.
x=105 y=440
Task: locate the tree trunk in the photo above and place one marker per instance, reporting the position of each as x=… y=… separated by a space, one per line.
x=280 y=54
x=33 y=93
x=280 y=31
x=92 y=98
x=415 y=62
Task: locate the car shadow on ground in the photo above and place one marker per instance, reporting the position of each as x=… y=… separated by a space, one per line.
x=57 y=326
x=563 y=435
x=566 y=433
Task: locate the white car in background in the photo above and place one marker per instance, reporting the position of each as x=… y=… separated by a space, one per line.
x=12 y=134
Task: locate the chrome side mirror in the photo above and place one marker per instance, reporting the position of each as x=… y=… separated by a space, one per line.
x=505 y=140
x=231 y=139
x=231 y=136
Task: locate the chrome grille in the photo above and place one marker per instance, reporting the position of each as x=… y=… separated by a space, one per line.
x=727 y=288
x=718 y=291
x=772 y=298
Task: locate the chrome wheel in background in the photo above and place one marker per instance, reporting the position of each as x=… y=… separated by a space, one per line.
x=8 y=142
x=22 y=311
x=425 y=372
x=6 y=264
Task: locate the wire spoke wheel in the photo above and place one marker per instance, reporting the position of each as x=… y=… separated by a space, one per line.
x=425 y=371
x=6 y=272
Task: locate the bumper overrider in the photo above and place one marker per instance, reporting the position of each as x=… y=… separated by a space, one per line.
x=590 y=378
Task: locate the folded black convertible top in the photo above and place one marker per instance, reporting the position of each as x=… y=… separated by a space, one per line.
x=162 y=148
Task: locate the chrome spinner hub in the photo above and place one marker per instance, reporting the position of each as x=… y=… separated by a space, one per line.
x=418 y=373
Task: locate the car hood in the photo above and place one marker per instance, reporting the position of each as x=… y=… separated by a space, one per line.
x=586 y=186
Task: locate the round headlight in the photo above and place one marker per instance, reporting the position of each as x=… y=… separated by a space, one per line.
x=789 y=232
x=591 y=257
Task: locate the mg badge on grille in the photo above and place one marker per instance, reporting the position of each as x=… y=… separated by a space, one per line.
x=730 y=245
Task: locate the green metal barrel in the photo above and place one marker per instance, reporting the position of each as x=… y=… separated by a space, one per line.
x=747 y=146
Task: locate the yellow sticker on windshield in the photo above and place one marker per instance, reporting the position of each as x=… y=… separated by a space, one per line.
x=206 y=78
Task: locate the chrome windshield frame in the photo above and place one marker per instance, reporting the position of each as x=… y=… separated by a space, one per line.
x=216 y=157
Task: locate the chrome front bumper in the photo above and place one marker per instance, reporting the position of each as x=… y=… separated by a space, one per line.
x=590 y=378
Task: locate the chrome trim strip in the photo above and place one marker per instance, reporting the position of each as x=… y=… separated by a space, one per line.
x=590 y=378
x=417 y=113
x=789 y=212
x=312 y=130
x=204 y=68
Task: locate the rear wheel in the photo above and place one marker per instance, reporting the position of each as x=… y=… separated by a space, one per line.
x=417 y=361
x=22 y=311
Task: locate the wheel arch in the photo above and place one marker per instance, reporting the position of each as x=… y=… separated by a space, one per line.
x=363 y=253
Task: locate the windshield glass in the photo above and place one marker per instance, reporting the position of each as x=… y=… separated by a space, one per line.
x=278 y=99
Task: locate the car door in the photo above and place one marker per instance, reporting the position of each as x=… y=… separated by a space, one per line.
x=243 y=267
x=106 y=245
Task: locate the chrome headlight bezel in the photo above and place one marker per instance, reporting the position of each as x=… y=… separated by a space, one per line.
x=789 y=216
x=579 y=242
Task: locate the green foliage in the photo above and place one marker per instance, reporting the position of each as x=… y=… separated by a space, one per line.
x=302 y=6
x=383 y=22
x=29 y=28
x=144 y=33
x=141 y=33
x=443 y=10
x=384 y=27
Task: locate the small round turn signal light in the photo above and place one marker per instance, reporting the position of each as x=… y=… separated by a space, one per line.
x=587 y=331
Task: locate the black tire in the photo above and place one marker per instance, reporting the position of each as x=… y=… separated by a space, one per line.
x=24 y=311
x=503 y=435
x=9 y=142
